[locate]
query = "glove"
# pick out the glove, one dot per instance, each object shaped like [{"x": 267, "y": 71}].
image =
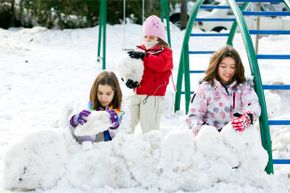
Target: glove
[
  {"x": 114, "y": 118},
  {"x": 80, "y": 118},
  {"x": 136, "y": 55},
  {"x": 241, "y": 122},
  {"x": 132, "y": 84}
]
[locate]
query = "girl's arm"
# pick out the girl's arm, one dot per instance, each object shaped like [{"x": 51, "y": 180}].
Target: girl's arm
[
  {"x": 198, "y": 109},
  {"x": 250, "y": 101},
  {"x": 161, "y": 62}
]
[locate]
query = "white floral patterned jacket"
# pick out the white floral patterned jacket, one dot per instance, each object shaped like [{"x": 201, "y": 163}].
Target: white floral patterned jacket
[{"x": 215, "y": 105}]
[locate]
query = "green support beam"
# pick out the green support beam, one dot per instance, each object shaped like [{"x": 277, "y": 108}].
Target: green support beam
[{"x": 183, "y": 71}]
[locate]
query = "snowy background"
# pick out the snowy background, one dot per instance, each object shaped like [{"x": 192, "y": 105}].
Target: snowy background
[{"x": 44, "y": 72}]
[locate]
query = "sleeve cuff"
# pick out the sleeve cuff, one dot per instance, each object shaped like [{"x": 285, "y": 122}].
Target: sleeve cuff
[
  {"x": 73, "y": 121},
  {"x": 107, "y": 136}
]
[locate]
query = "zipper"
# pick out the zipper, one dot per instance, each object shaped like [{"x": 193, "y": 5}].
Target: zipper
[{"x": 234, "y": 101}]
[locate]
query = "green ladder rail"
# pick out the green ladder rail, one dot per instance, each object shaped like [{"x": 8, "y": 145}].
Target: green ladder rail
[
  {"x": 239, "y": 21},
  {"x": 273, "y": 56},
  {"x": 103, "y": 22}
]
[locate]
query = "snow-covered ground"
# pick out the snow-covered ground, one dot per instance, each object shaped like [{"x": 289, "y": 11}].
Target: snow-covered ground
[{"x": 42, "y": 72}]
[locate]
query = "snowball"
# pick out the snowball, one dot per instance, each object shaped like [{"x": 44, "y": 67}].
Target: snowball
[
  {"x": 97, "y": 121},
  {"x": 130, "y": 68}
]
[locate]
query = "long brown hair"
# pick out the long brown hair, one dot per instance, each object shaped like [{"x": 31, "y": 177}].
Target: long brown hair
[
  {"x": 162, "y": 43},
  {"x": 215, "y": 60},
  {"x": 106, "y": 78}
]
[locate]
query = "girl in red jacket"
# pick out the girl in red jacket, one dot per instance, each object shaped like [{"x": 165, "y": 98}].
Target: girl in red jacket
[{"x": 147, "y": 103}]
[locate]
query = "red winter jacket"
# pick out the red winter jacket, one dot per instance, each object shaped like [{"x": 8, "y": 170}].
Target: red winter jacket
[{"x": 158, "y": 66}]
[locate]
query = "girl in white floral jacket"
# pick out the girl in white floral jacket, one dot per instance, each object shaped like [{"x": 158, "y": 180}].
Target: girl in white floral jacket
[{"x": 224, "y": 95}]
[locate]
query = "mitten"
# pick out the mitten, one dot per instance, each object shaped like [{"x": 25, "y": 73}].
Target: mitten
[
  {"x": 136, "y": 55},
  {"x": 241, "y": 122},
  {"x": 114, "y": 118},
  {"x": 132, "y": 84},
  {"x": 80, "y": 118}
]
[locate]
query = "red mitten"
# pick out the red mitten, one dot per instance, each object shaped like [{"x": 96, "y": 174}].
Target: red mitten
[{"x": 242, "y": 122}]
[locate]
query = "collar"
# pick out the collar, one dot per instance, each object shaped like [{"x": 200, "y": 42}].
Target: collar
[
  {"x": 155, "y": 48},
  {"x": 90, "y": 107},
  {"x": 219, "y": 84}
]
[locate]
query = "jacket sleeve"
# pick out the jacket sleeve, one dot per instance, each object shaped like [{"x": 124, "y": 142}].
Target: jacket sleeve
[
  {"x": 250, "y": 100},
  {"x": 198, "y": 108},
  {"x": 160, "y": 62}
]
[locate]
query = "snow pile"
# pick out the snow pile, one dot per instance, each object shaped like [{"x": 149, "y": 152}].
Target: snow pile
[
  {"x": 30, "y": 62},
  {"x": 169, "y": 162},
  {"x": 273, "y": 102},
  {"x": 37, "y": 161}
]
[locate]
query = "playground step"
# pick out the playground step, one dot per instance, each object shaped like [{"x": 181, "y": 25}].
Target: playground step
[
  {"x": 279, "y": 122},
  {"x": 215, "y": 19},
  {"x": 266, "y": 13},
  {"x": 274, "y": 57},
  {"x": 276, "y": 87},
  {"x": 196, "y": 71},
  {"x": 281, "y": 161},
  {"x": 270, "y": 32},
  {"x": 214, "y": 7},
  {"x": 260, "y": 1},
  {"x": 209, "y": 34},
  {"x": 200, "y": 52}
]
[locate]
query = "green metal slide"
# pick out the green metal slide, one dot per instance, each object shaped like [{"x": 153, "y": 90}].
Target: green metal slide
[{"x": 238, "y": 8}]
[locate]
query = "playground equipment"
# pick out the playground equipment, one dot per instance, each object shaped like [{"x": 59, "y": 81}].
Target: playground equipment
[
  {"x": 238, "y": 8},
  {"x": 102, "y": 33}
]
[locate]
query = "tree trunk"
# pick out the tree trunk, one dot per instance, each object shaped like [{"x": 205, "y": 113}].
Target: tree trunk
[{"x": 183, "y": 14}]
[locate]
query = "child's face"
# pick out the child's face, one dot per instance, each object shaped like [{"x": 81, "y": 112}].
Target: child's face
[
  {"x": 227, "y": 69},
  {"x": 150, "y": 38},
  {"x": 105, "y": 95}
]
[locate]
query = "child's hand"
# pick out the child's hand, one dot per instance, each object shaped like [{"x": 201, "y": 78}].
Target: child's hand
[
  {"x": 114, "y": 118},
  {"x": 132, "y": 84},
  {"x": 136, "y": 55},
  {"x": 242, "y": 122},
  {"x": 80, "y": 118},
  {"x": 113, "y": 115}
]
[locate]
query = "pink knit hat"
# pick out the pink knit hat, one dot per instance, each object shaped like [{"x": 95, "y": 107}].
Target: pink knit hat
[{"x": 153, "y": 26}]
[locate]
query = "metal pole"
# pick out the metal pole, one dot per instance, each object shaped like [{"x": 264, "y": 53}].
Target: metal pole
[
  {"x": 124, "y": 23},
  {"x": 104, "y": 32},
  {"x": 143, "y": 12},
  {"x": 100, "y": 33},
  {"x": 258, "y": 7}
]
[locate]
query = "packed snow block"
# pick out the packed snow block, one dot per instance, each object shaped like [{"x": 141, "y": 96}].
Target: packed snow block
[
  {"x": 140, "y": 158},
  {"x": 36, "y": 161},
  {"x": 130, "y": 68},
  {"x": 240, "y": 140},
  {"x": 102, "y": 165},
  {"x": 97, "y": 121},
  {"x": 215, "y": 156},
  {"x": 247, "y": 147},
  {"x": 177, "y": 157}
]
